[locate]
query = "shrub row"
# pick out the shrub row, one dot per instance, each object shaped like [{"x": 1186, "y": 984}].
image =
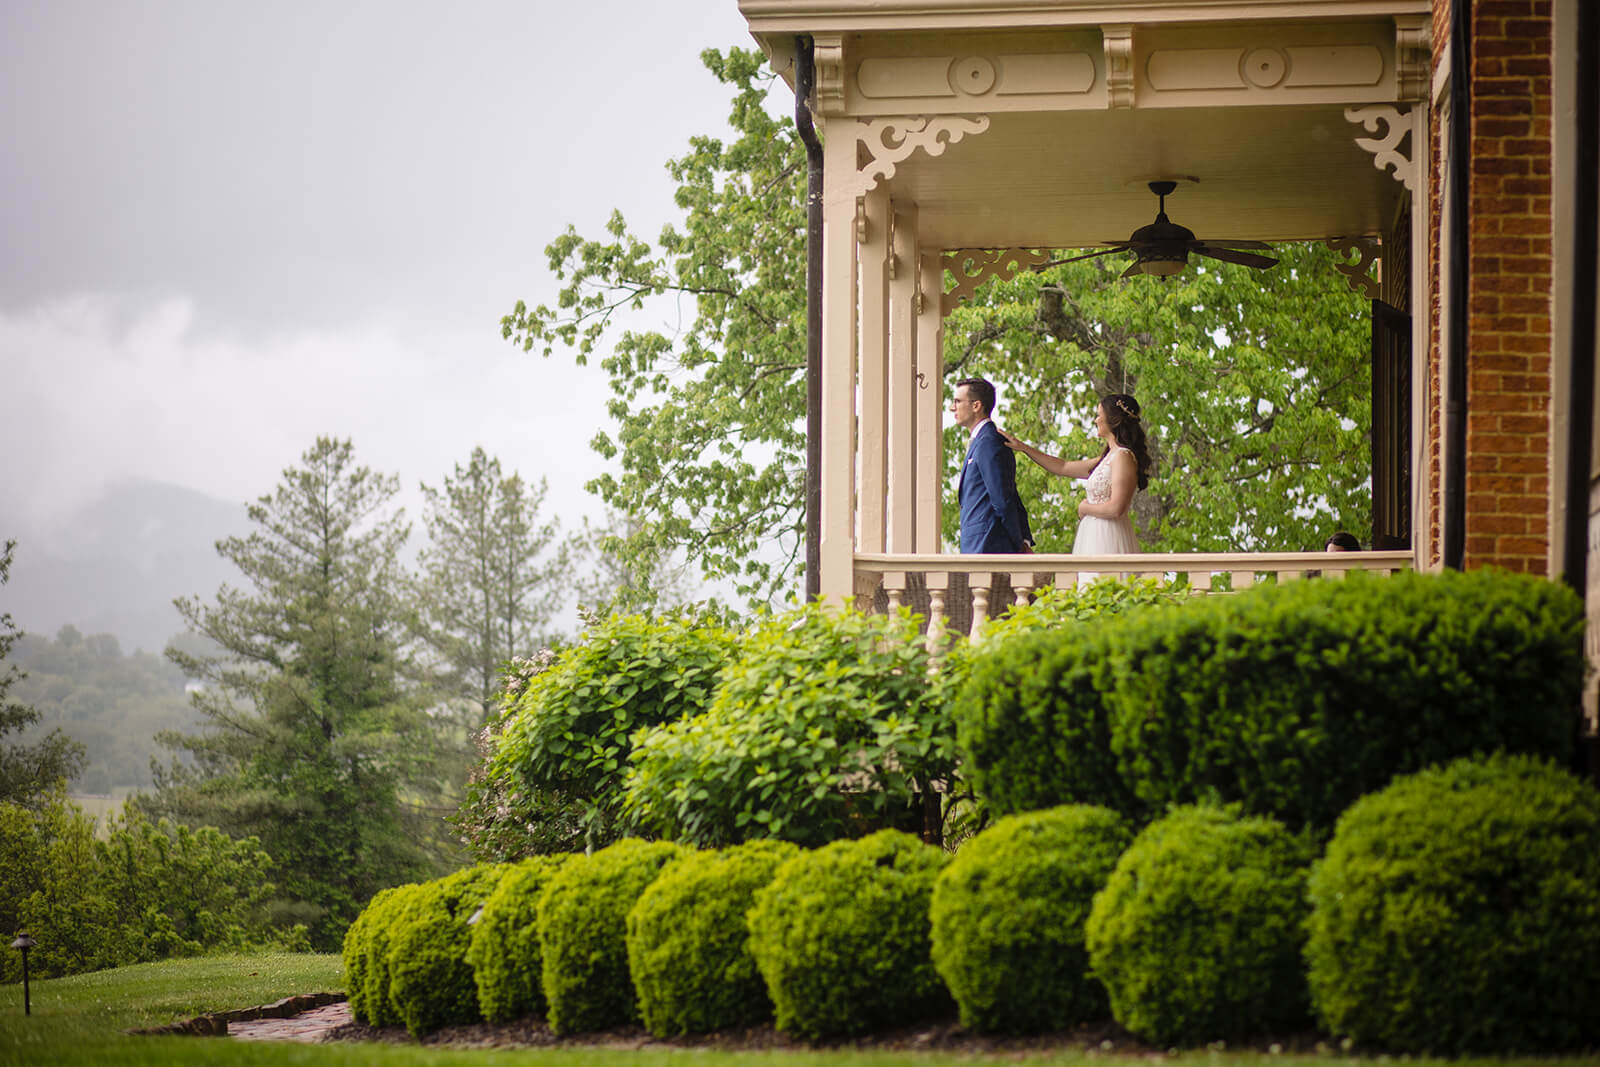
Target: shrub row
[
  {"x": 1452, "y": 912},
  {"x": 1292, "y": 700}
]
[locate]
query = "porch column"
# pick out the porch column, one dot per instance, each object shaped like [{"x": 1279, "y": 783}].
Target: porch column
[
  {"x": 835, "y": 583},
  {"x": 873, "y": 237},
  {"x": 903, "y": 391},
  {"x": 930, "y": 397}
]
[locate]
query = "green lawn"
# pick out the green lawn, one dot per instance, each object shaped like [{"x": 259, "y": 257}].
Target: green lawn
[{"x": 83, "y": 1022}]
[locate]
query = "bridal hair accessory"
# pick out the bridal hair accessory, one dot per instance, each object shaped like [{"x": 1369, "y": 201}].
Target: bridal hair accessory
[{"x": 1123, "y": 407}]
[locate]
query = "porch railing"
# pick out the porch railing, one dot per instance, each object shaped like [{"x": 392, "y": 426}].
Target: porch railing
[{"x": 959, "y": 593}]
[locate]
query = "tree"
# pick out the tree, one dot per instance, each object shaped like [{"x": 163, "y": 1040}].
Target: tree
[
  {"x": 28, "y": 772},
  {"x": 492, "y": 577},
  {"x": 620, "y": 574},
  {"x": 1233, "y": 365},
  {"x": 315, "y": 733},
  {"x": 710, "y": 420},
  {"x": 1255, "y": 388}
]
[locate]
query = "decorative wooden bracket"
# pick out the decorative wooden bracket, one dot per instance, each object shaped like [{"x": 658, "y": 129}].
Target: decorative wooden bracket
[
  {"x": 886, "y": 143},
  {"x": 1386, "y": 149},
  {"x": 1358, "y": 274},
  {"x": 974, "y": 267}
]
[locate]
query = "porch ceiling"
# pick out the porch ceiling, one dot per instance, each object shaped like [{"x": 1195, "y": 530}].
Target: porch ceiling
[{"x": 1074, "y": 179}]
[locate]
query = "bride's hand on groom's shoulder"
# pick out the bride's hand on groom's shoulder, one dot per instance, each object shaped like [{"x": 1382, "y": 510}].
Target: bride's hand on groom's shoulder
[{"x": 1010, "y": 440}]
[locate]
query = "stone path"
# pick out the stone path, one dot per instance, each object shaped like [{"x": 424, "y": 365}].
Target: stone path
[{"x": 309, "y": 1026}]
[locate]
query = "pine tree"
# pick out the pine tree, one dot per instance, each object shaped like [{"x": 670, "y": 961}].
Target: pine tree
[{"x": 317, "y": 735}]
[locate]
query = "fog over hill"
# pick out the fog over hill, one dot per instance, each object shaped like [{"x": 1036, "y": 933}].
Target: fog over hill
[{"x": 115, "y": 564}]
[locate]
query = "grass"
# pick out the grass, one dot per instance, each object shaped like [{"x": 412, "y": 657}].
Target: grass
[{"x": 83, "y": 1021}]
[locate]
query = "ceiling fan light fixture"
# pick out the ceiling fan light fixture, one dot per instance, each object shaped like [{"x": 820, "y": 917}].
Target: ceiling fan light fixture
[{"x": 1163, "y": 266}]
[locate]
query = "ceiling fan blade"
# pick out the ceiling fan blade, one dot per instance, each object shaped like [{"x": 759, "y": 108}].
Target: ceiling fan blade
[
  {"x": 1086, "y": 255},
  {"x": 1234, "y": 244},
  {"x": 1228, "y": 255},
  {"x": 1131, "y": 271}
]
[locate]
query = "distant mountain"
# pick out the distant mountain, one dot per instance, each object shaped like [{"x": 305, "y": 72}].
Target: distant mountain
[{"x": 115, "y": 565}]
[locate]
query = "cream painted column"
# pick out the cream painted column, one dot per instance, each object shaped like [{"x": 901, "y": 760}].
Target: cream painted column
[
  {"x": 872, "y": 236},
  {"x": 903, "y": 379},
  {"x": 930, "y": 398},
  {"x": 837, "y": 536}
]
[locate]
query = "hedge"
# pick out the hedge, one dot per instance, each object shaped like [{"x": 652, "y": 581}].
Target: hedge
[
  {"x": 841, "y": 936},
  {"x": 1198, "y": 932},
  {"x": 504, "y": 951},
  {"x": 688, "y": 943},
  {"x": 1293, "y": 699},
  {"x": 582, "y": 919},
  {"x": 1458, "y": 911},
  {"x": 1008, "y": 916},
  {"x": 430, "y": 981}
]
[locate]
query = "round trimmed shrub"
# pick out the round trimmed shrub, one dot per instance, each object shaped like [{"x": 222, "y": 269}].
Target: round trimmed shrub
[
  {"x": 1008, "y": 915},
  {"x": 688, "y": 946},
  {"x": 583, "y": 932},
  {"x": 366, "y": 958},
  {"x": 430, "y": 981},
  {"x": 504, "y": 952},
  {"x": 1458, "y": 911},
  {"x": 360, "y": 955},
  {"x": 841, "y": 936},
  {"x": 1198, "y": 932}
]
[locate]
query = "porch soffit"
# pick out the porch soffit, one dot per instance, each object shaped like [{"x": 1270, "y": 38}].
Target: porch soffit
[{"x": 1066, "y": 167}]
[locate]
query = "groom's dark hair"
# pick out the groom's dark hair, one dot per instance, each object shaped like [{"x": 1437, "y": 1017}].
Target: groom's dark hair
[{"x": 982, "y": 392}]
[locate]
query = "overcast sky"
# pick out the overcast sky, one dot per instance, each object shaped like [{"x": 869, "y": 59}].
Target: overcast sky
[{"x": 228, "y": 227}]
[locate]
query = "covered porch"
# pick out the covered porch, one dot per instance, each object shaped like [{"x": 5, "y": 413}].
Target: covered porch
[{"x": 966, "y": 140}]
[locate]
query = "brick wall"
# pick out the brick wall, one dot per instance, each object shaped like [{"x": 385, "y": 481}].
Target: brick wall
[{"x": 1510, "y": 335}]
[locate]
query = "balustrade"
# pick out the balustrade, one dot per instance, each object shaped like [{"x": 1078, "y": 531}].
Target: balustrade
[{"x": 959, "y": 593}]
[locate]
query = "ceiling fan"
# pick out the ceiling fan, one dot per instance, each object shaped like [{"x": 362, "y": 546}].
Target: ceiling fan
[{"x": 1162, "y": 248}]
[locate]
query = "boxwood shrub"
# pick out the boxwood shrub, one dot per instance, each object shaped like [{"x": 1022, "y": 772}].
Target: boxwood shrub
[
  {"x": 1458, "y": 911},
  {"x": 582, "y": 921},
  {"x": 366, "y": 954},
  {"x": 1293, "y": 699},
  {"x": 1198, "y": 932},
  {"x": 430, "y": 981},
  {"x": 366, "y": 947},
  {"x": 688, "y": 946},
  {"x": 841, "y": 936},
  {"x": 1008, "y": 916},
  {"x": 504, "y": 951}
]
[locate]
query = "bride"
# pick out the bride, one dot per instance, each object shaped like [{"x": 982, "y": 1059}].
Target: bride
[{"x": 1112, "y": 477}]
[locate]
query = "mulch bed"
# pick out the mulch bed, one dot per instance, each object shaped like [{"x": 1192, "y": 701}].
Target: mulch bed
[{"x": 943, "y": 1036}]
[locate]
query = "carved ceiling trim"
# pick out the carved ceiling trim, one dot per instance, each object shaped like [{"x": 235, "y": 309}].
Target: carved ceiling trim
[
  {"x": 973, "y": 267},
  {"x": 1386, "y": 149}
]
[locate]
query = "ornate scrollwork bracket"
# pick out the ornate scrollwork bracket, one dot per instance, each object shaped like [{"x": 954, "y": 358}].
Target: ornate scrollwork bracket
[
  {"x": 974, "y": 267},
  {"x": 1358, "y": 274},
  {"x": 889, "y": 142},
  {"x": 1386, "y": 149}
]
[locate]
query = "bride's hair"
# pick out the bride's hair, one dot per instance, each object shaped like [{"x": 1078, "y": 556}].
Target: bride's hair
[{"x": 1122, "y": 416}]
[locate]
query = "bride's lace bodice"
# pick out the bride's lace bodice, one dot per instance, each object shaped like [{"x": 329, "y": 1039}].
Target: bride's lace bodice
[{"x": 1098, "y": 484}]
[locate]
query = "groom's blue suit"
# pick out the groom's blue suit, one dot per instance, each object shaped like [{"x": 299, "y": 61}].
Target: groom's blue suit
[{"x": 992, "y": 516}]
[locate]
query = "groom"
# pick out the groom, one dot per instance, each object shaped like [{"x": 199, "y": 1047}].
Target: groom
[{"x": 992, "y": 516}]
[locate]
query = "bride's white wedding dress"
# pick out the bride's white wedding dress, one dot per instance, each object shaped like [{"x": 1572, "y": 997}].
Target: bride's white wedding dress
[{"x": 1097, "y": 536}]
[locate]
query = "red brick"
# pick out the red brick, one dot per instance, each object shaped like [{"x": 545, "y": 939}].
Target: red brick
[
  {"x": 1496, "y": 164},
  {"x": 1503, "y": 105},
  {"x": 1522, "y": 464},
  {"x": 1499, "y": 524},
  {"x": 1533, "y": 186},
  {"x": 1527, "y": 66},
  {"x": 1521, "y": 546}
]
